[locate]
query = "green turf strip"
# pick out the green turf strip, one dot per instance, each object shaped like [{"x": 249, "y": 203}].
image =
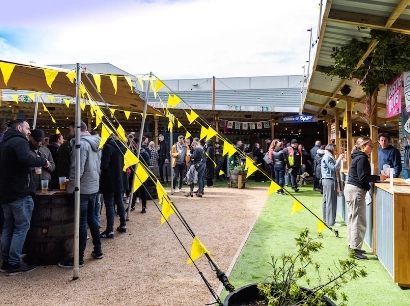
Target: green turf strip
[{"x": 274, "y": 234}]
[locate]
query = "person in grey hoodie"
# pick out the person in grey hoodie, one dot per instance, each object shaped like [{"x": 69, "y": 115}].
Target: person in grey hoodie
[{"x": 90, "y": 160}]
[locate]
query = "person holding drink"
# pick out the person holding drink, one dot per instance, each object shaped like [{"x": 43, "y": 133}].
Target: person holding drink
[{"x": 17, "y": 190}]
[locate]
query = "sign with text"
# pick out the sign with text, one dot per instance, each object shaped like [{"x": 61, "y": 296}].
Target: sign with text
[
  {"x": 393, "y": 99},
  {"x": 298, "y": 119},
  {"x": 406, "y": 81}
]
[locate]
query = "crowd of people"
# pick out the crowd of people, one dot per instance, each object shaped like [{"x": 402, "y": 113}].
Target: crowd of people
[{"x": 104, "y": 181}]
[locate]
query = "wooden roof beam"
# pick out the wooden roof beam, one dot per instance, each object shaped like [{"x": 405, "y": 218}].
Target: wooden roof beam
[{"x": 333, "y": 95}]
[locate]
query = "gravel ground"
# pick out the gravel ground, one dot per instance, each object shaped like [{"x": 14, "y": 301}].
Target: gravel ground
[{"x": 147, "y": 265}]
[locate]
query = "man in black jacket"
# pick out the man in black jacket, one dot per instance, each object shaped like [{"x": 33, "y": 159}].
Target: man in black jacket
[
  {"x": 16, "y": 194},
  {"x": 163, "y": 157},
  {"x": 111, "y": 184}
]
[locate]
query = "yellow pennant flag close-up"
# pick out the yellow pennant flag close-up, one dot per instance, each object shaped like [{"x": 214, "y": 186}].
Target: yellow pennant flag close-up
[
  {"x": 71, "y": 76},
  {"x": 121, "y": 133},
  {"x": 187, "y": 134},
  {"x": 141, "y": 82},
  {"x": 296, "y": 207},
  {"x": 112, "y": 111},
  {"x": 211, "y": 133},
  {"x": 321, "y": 226},
  {"x": 105, "y": 133},
  {"x": 127, "y": 114},
  {"x": 192, "y": 116},
  {"x": 51, "y": 98},
  {"x": 141, "y": 176},
  {"x": 129, "y": 159},
  {"x": 179, "y": 123},
  {"x": 250, "y": 166},
  {"x": 167, "y": 210},
  {"x": 82, "y": 90},
  {"x": 273, "y": 187},
  {"x": 160, "y": 191},
  {"x": 173, "y": 100},
  {"x": 204, "y": 132},
  {"x": 15, "y": 98},
  {"x": 197, "y": 250},
  {"x": 50, "y": 76},
  {"x": 344, "y": 125},
  {"x": 82, "y": 105},
  {"x": 114, "y": 82},
  {"x": 31, "y": 96},
  {"x": 221, "y": 172},
  {"x": 97, "y": 80},
  {"x": 128, "y": 79},
  {"x": 45, "y": 108},
  {"x": 58, "y": 131},
  {"x": 158, "y": 86},
  {"x": 67, "y": 102},
  {"x": 6, "y": 70},
  {"x": 228, "y": 149}
]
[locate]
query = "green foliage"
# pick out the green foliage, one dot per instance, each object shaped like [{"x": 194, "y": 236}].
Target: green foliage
[
  {"x": 391, "y": 56},
  {"x": 290, "y": 270}
]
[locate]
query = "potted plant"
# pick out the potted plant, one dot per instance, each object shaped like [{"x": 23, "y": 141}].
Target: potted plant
[{"x": 284, "y": 285}]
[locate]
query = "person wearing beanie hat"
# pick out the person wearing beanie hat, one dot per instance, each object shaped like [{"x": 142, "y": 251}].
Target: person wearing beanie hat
[{"x": 294, "y": 161}]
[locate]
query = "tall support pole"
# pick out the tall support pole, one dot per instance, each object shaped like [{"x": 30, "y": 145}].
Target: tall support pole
[
  {"x": 35, "y": 112},
  {"x": 349, "y": 132},
  {"x": 302, "y": 86},
  {"x": 77, "y": 190},
  {"x": 374, "y": 131},
  {"x": 272, "y": 131},
  {"x": 329, "y": 131},
  {"x": 310, "y": 51}
]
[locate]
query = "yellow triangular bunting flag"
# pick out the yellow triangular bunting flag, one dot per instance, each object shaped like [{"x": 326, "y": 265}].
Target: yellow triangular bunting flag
[
  {"x": 141, "y": 82},
  {"x": 187, "y": 134},
  {"x": 197, "y": 250},
  {"x": 51, "y": 98},
  {"x": 82, "y": 90},
  {"x": 160, "y": 191},
  {"x": 112, "y": 111},
  {"x": 52, "y": 119},
  {"x": 58, "y": 131},
  {"x": 121, "y": 133},
  {"x": 97, "y": 80},
  {"x": 170, "y": 125},
  {"x": 15, "y": 98},
  {"x": 127, "y": 114},
  {"x": 273, "y": 187},
  {"x": 129, "y": 159},
  {"x": 67, "y": 102},
  {"x": 211, "y": 133},
  {"x": 105, "y": 133},
  {"x": 167, "y": 210},
  {"x": 250, "y": 166},
  {"x": 45, "y": 108},
  {"x": 320, "y": 226},
  {"x": 31, "y": 96},
  {"x": 114, "y": 82},
  {"x": 228, "y": 149},
  {"x": 6, "y": 70},
  {"x": 141, "y": 177},
  {"x": 50, "y": 76},
  {"x": 296, "y": 207},
  {"x": 82, "y": 105},
  {"x": 192, "y": 116},
  {"x": 158, "y": 86},
  {"x": 151, "y": 83},
  {"x": 179, "y": 123},
  {"x": 71, "y": 76},
  {"x": 204, "y": 132},
  {"x": 128, "y": 79},
  {"x": 344, "y": 125}
]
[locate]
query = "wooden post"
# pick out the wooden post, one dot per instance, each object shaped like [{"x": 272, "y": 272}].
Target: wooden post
[
  {"x": 156, "y": 131},
  {"x": 329, "y": 131},
  {"x": 239, "y": 181},
  {"x": 349, "y": 132},
  {"x": 374, "y": 131},
  {"x": 337, "y": 127},
  {"x": 272, "y": 131}
]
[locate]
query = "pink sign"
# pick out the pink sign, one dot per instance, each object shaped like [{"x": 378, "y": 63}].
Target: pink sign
[{"x": 393, "y": 99}]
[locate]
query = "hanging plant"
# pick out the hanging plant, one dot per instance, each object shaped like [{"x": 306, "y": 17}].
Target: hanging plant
[{"x": 391, "y": 56}]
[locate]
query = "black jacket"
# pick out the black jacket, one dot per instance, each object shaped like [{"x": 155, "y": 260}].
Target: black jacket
[
  {"x": 297, "y": 157},
  {"x": 279, "y": 157},
  {"x": 163, "y": 152},
  {"x": 16, "y": 159},
  {"x": 112, "y": 164},
  {"x": 360, "y": 172},
  {"x": 317, "y": 165}
]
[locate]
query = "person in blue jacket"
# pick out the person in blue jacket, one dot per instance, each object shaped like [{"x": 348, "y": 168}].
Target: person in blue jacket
[{"x": 389, "y": 155}]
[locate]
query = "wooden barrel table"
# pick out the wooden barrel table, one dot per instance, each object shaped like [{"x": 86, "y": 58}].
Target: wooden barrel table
[{"x": 51, "y": 235}]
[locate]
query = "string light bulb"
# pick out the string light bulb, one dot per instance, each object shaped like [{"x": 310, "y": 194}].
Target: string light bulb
[{"x": 385, "y": 123}]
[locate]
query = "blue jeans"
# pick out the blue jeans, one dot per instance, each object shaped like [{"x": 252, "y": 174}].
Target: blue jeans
[
  {"x": 98, "y": 208},
  {"x": 201, "y": 177},
  {"x": 87, "y": 216},
  {"x": 109, "y": 199},
  {"x": 17, "y": 216},
  {"x": 279, "y": 177}
]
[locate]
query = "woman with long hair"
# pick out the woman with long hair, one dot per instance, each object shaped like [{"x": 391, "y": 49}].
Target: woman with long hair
[
  {"x": 329, "y": 166},
  {"x": 355, "y": 194}
]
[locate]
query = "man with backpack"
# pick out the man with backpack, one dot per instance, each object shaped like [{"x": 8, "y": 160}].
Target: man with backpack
[{"x": 294, "y": 157}]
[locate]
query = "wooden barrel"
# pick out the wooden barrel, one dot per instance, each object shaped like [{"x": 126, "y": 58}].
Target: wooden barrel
[
  {"x": 51, "y": 235},
  {"x": 152, "y": 189},
  {"x": 233, "y": 177}
]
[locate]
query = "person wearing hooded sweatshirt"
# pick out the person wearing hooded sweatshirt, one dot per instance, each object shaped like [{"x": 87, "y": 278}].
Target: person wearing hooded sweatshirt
[
  {"x": 210, "y": 163},
  {"x": 16, "y": 194},
  {"x": 90, "y": 161},
  {"x": 329, "y": 181},
  {"x": 355, "y": 190},
  {"x": 111, "y": 184},
  {"x": 279, "y": 166},
  {"x": 389, "y": 155},
  {"x": 317, "y": 169}
]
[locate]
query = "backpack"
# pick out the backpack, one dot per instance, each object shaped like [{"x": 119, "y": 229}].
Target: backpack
[{"x": 291, "y": 157}]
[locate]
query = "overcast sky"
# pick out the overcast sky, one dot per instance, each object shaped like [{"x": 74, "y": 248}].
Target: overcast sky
[{"x": 173, "y": 39}]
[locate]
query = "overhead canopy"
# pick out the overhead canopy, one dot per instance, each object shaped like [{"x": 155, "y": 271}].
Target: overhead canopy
[{"x": 26, "y": 77}]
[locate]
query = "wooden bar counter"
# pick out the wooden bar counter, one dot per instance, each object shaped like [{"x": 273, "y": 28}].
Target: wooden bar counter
[{"x": 391, "y": 229}]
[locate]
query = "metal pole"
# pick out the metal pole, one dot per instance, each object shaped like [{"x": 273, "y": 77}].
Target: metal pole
[
  {"x": 35, "y": 111},
  {"x": 301, "y": 91},
  {"x": 310, "y": 49},
  {"x": 76, "y": 267},
  {"x": 139, "y": 142},
  {"x": 171, "y": 162}
]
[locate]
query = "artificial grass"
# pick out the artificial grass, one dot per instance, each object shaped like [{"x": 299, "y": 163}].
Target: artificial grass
[{"x": 274, "y": 233}]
